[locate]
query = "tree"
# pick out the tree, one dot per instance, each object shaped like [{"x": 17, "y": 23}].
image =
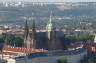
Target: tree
[
  {"x": 13, "y": 40},
  {"x": 62, "y": 61},
  {"x": 90, "y": 58},
  {"x": 80, "y": 37}
]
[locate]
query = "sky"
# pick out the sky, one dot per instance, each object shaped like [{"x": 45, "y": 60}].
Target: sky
[{"x": 52, "y": 0}]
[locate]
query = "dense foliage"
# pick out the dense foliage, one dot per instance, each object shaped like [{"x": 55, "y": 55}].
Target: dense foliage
[
  {"x": 62, "y": 61},
  {"x": 72, "y": 15},
  {"x": 90, "y": 58},
  {"x": 80, "y": 38},
  {"x": 12, "y": 40}
]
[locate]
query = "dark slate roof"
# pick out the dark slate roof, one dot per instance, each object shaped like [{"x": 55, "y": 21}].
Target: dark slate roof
[{"x": 52, "y": 53}]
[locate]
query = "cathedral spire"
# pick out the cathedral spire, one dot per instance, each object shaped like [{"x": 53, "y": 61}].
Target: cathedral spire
[
  {"x": 33, "y": 26},
  {"x": 33, "y": 42},
  {"x": 49, "y": 27},
  {"x": 51, "y": 19},
  {"x": 26, "y": 31},
  {"x": 49, "y": 24}
]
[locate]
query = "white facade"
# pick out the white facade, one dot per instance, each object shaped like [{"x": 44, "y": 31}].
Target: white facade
[
  {"x": 50, "y": 59},
  {"x": 95, "y": 38}
]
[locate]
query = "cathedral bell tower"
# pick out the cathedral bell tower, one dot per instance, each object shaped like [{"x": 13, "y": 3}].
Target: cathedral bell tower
[
  {"x": 53, "y": 42},
  {"x": 30, "y": 38},
  {"x": 26, "y": 33},
  {"x": 50, "y": 35},
  {"x": 33, "y": 36},
  {"x": 49, "y": 28}
]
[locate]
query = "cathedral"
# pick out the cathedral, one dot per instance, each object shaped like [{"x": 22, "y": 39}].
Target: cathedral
[
  {"x": 30, "y": 38},
  {"x": 46, "y": 40}
]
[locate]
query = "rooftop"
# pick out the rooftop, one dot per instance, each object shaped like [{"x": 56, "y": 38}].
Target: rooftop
[
  {"x": 22, "y": 50},
  {"x": 52, "y": 53}
]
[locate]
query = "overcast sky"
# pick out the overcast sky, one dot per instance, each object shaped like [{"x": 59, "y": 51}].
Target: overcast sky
[{"x": 53, "y": 0}]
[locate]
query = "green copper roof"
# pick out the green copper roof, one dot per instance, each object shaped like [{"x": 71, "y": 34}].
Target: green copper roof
[{"x": 49, "y": 25}]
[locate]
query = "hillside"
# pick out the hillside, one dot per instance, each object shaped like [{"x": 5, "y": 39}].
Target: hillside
[{"x": 67, "y": 16}]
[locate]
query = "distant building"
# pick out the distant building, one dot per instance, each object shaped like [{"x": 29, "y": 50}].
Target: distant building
[
  {"x": 50, "y": 57},
  {"x": 89, "y": 46},
  {"x": 2, "y": 31},
  {"x": 94, "y": 38},
  {"x": 75, "y": 46},
  {"x": 18, "y": 51}
]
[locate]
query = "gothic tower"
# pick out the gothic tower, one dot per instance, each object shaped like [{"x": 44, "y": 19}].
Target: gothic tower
[
  {"x": 28, "y": 41},
  {"x": 30, "y": 38},
  {"x": 49, "y": 28},
  {"x": 33, "y": 37},
  {"x": 53, "y": 42},
  {"x": 51, "y": 35},
  {"x": 26, "y": 32}
]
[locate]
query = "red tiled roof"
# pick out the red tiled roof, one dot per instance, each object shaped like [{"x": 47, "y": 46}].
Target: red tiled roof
[
  {"x": 75, "y": 45},
  {"x": 72, "y": 46},
  {"x": 2, "y": 31},
  {"x": 90, "y": 46},
  {"x": 23, "y": 50}
]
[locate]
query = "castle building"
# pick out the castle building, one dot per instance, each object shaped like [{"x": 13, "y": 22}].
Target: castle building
[{"x": 38, "y": 40}]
